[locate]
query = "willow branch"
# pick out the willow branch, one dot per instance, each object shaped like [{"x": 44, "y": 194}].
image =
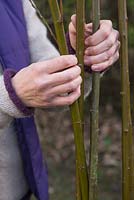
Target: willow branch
[
  {"x": 44, "y": 21},
  {"x": 127, "y": 151},
  {"x": 80, "y": 13},
  {"x": 76, "y": 119},
  {"x": 94, "y": 117}
]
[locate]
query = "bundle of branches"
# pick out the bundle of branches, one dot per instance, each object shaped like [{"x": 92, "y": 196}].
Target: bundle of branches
[
  {"x": 81, "y": 167},
  {"x": 77, "y": 109}
]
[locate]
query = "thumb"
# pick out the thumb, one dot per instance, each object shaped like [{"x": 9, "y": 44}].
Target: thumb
[{"x": 73, "y": 20}]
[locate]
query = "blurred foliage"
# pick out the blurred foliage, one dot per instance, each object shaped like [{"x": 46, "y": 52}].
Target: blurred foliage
[{"x": 108, "y": 11}]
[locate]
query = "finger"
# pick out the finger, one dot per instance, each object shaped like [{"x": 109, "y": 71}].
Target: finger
[
  {"x": 106, "y": 64},
  {"x": 91, "y": 60},
  {"x": 105, "y": 45},
  {"x": 103, "y": 32},
  {"x": 73, "y": 20},
  {"x": 65, "y": 76},
  {"x": 87, "y": 27},
  {"x": 57, "y": 64},
  {"x": 65, "y": 100},
  {"x": 72, "y": 29},
  {"x": 66, "y": 88}
]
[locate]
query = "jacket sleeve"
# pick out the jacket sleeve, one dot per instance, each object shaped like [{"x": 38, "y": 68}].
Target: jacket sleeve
[{"x": 7, "y": 107}]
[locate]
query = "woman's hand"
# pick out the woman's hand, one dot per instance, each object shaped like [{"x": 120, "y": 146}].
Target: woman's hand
[
  {"x": 101, "y": 48},
  {"x": 47, "y": 84}
]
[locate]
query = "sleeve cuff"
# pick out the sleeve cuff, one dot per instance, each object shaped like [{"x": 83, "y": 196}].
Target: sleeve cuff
[
  {"x": 70, "y": 49},
  {"x": 8, "y": 74}
]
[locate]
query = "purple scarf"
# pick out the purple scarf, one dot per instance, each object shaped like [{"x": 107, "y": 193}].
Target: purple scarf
[{"x": 14, "y": 54}]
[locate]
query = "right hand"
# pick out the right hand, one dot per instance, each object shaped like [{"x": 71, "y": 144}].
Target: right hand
[{"x": 47, "y": 83}]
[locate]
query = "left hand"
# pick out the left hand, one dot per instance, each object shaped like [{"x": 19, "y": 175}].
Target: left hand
[{"x": 101, "y": 48}]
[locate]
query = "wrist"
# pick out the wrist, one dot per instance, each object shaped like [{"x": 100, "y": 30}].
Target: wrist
[{"x": 8, "y": 75}]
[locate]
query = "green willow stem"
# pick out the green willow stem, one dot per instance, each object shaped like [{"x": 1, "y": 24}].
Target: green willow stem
[
  {"x": 80, "y": 20},
  {"x": 78, "y": 187},
  {"x": 94, "y": 117},
  {"x": 76, "y": 119},
  {"x": 127, "y": 138},
  {"x": 80, "y": 13}
]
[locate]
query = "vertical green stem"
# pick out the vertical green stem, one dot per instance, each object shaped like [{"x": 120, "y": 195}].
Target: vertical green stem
[
  {"x": 78, "y": 187},
  {"x": 76, "y": 119},
  {"x": 127, "y": 153},
  {"x": 94, "y": 117},
  {"x": 80, "y": 13}
]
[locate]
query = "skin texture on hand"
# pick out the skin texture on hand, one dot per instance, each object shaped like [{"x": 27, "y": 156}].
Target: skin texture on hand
[
  {"x": 47, "y": 83},
  {"x": 101, "y": 48},
  {"x": 57, "y": 82}
]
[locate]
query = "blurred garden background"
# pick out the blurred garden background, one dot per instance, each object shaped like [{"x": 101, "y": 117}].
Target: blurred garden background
[{"x": 55, "y": 127}]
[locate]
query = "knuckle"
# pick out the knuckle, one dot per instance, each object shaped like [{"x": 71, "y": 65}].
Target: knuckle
[
  {"x": 93, "y": 51},
  {"x": 41, "y": 84},
  {"x": 70, "y": 76},
  {"x": 67, "y": 61},
  {"x": 72, "y": 86},
  {"x": 110, "y": 22},
  {"x": 106, "y": 56},
  {"x": 109, "y": 54},
  {"x": 46, "y": 98},
  {"x": 91, "y": 40},
  {"x": 109, "y": 42},
  {"x": 78, "y": 69},
  {"x": 106, "y": 33},
  {"x": 70, "y": 60},
  {"x": 117, "y": 34}
]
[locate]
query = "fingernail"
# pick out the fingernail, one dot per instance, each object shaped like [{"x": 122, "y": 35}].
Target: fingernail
[
  {"x": 74, "y": 56},
  {"x": 95, "y": 68}
]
